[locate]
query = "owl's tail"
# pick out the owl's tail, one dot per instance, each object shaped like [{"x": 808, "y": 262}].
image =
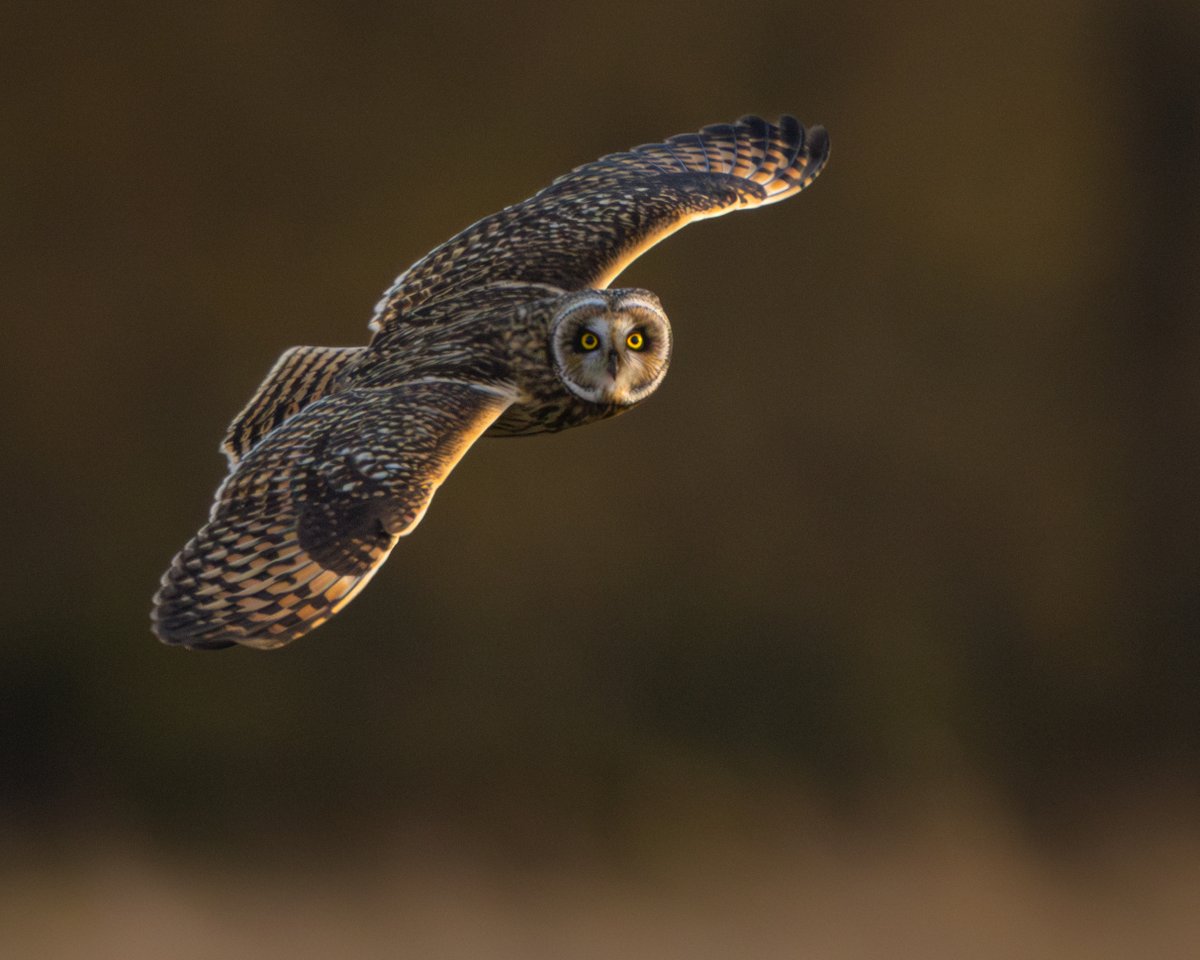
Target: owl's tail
[{"x": 300, "y": 377}]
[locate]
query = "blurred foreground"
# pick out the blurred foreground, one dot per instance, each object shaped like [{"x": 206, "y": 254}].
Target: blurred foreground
[{"x": 748, "y": 882}]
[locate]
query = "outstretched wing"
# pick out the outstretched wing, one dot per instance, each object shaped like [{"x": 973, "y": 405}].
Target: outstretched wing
[
  {"x": 310, "y": 513},
  {"x": 587, "y": 226}
]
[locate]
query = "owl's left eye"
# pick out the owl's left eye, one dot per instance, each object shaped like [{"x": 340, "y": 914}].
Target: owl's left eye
[
  {"x": 588, "y": 340},
  {"x": 635, "y": 341}
]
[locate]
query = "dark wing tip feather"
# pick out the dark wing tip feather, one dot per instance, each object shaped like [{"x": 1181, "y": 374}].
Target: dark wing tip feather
[
  {"x": 177, "y": 636},
  {"x": 781, "y": 158},
  {"x": 792, "y": 131},
  {"x": 817, "y": 143},
  {"x": 175, "y": 621}
]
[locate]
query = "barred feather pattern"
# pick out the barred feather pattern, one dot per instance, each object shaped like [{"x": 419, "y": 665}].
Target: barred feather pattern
[
  {"x": 311, "y": 512},
  {"x": 588, "y": 225},
  {"x": 300, "y": 376}
]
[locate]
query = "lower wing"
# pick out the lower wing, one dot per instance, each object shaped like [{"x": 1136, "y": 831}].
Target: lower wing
[{"x": 311, "y": 512}]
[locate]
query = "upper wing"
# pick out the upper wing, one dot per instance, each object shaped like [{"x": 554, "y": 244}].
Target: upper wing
[
  {"x": 587, "y": 226},
  {"x": 310, "y": 513}
]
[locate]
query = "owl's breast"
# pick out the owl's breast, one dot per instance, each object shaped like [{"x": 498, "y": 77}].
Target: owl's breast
[{"x": 548, "y": 411}]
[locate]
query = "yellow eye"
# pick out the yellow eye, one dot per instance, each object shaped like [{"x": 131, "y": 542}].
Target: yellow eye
[
  {"x": 588, "y": 340},
  {"x": 635, "y": 341}
]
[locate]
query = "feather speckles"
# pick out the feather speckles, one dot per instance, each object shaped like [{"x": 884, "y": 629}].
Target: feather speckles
[
  {"x": 587, "y": 225},
  {"x": 341, "y": 449}
]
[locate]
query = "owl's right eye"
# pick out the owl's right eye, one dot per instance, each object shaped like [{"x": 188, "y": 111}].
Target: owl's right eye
[{"x": 588, "y": 340}]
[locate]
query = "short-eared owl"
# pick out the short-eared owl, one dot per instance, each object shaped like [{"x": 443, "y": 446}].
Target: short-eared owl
[{"x": 506, "y": 329}]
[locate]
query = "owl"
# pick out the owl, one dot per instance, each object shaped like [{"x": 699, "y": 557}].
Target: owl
[{"x": 507, "y": 329}]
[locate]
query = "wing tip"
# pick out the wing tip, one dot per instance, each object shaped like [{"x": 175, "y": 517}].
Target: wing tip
[
  {"x": 808, "y": 152},
  {"x": 782, "y": 158},
  {"x": 173, "y": 637},
  {"x": 186, "y": 627},
  {"x": 172, "y": 625},
  {"x": 198, "y": 611},
  {"x": 816, "y": 143},
  {"x": 191, "y": 643}
]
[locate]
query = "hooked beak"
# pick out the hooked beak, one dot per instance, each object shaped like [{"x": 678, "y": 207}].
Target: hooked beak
[{"x": 611, "y": 366}]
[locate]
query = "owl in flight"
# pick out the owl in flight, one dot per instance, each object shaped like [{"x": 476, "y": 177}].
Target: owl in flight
[{"x": 507, "y": 329}]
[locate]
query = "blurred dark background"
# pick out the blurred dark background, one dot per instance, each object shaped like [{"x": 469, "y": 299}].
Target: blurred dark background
[{"x": 907, "y": 546}]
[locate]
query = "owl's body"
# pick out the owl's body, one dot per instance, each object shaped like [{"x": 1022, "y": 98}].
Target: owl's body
[
  {"x": 505, "y": 330},
  {"x": 498, "y": 336}
]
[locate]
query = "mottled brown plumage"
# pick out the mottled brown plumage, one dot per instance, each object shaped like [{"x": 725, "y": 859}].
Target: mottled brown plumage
[
  {"x": 505, "y": 329},
  {"x": 589, "y": 224}
]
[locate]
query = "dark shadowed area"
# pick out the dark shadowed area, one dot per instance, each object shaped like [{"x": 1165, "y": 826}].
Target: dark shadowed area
[{"x": 873, "y": 633}]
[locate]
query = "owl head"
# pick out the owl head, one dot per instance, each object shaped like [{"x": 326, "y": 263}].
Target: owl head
[{"x": 611, "y": 346}]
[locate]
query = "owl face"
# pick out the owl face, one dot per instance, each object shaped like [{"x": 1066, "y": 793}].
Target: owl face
[{"x": 611, "y": 346}]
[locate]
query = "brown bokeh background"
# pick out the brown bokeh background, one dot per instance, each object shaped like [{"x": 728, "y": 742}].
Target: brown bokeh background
[{"x": 873, "y": 634}]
